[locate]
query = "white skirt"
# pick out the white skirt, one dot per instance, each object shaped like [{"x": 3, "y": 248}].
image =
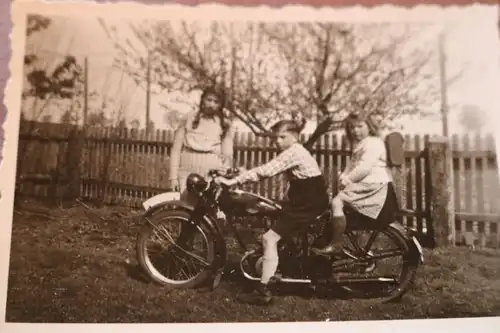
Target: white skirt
[{"x": 366, "y": 198}]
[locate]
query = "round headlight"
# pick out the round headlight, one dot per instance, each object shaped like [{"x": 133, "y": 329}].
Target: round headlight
[{"x": 195, "y": 183}]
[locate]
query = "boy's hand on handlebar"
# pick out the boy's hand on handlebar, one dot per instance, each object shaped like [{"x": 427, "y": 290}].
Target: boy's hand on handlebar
[{"x": 226, "y": 182}]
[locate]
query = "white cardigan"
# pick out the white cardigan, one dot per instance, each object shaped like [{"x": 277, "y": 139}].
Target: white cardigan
[{"x": 368, "y": 162}]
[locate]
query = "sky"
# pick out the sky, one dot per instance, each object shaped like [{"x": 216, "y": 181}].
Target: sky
[{"x": 471, "y": 45}]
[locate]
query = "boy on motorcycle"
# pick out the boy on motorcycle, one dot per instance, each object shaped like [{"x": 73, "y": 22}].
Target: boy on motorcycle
[{"x": 307, "y": 194}]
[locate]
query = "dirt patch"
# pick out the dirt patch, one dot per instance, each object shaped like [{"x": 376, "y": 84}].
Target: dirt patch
[{"x": 67, "y": 266}]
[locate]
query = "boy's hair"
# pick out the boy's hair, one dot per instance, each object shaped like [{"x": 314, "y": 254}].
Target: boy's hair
[
  {"x": 291, "y": 126},
  {"x": 355, "y": 117}
]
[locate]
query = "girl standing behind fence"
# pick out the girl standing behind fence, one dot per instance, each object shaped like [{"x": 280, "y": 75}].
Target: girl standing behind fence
[{"x": 203, "y": 141}]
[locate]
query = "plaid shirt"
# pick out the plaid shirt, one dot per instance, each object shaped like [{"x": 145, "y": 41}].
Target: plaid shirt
[{"x": 296, "y": 160}]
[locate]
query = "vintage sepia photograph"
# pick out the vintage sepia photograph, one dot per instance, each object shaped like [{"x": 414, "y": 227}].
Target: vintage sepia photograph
[{"x": 175, "y": 166}]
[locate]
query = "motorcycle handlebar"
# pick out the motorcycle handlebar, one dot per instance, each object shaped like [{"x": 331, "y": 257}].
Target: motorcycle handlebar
[
  {"x": 230, "y": 173},
  {"x": 214, "y": 173}
]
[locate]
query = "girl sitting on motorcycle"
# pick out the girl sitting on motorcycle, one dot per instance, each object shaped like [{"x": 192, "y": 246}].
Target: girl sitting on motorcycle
[
  {"x": 307, "y": 194},
  {"x": 364, "y": 182}
]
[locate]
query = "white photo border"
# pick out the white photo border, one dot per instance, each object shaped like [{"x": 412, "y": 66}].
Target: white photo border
[{"x": 22, "y": 8}]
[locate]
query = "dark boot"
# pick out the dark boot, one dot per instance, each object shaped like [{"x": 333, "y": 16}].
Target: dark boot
[
  {"x": 335, "y": 246},
  {"x": 260, "y": 295}
]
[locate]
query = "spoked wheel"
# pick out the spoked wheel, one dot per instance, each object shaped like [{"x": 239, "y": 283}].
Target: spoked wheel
[
  {"x": 173, "y": 251},
  {"x": 389, "y": 273}
]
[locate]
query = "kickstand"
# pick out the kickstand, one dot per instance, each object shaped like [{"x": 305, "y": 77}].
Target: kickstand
[
  {"x": 94, "y": 214},
  {"x": 90, "y": 210}
]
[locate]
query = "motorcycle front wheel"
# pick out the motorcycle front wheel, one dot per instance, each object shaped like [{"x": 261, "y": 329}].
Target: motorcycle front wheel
[{"x": 184, "y": 264}]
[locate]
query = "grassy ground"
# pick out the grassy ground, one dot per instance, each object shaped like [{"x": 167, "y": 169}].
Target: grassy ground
[{"x": 66, "y": 267}]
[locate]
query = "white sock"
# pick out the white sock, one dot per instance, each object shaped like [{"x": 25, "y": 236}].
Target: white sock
[
  {"x": 269, "y": 267},
  {"x": 270, "y": 259}
]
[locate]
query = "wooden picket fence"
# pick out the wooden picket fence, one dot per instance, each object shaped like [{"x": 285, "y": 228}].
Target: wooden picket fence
[{"x": 124, "y": 166}]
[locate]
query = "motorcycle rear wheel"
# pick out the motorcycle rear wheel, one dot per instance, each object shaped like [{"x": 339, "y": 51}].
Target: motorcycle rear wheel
[{"x": 408, "y": 272}]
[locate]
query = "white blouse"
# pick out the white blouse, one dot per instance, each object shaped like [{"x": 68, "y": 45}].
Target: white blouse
[
  {"x": 206, "y": 137},
  {"x": 368, "y": 162}
]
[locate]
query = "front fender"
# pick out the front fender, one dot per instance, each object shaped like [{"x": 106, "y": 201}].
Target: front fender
[
  {"x": 161, "y": 199},
  {"x": 168, "y": 205}
]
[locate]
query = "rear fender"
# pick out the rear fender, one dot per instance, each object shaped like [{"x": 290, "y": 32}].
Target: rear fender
[
  {"x": 219, "y": 241},
  {"x": 416, "y": 253},
  {"x": 401, "y": 229}
]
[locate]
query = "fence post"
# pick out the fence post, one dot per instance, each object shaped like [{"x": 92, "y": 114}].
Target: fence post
[
  {"x": 75, "y": 150},
  {"x": 439, "y": 188},
  {"x": 397, "y": 179}
]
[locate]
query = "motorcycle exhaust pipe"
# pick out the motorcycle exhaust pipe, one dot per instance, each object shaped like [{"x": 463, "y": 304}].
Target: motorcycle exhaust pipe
[
  {"x": 277, "y": 278},
  {"x": 333, "y": 280},
  {"x": 291, "y": 280},
  {"x": 364, "y": 280}
]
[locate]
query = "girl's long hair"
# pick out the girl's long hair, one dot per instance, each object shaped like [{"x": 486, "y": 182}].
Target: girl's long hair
[
  {"x": 222, "y": 118},
  {"x": 355, "y": 117}
]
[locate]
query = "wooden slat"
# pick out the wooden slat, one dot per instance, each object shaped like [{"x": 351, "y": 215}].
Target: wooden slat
[
  {"x": 481, "y": 153},
  {"x": 326, "y": 163},
  {"x": 468, "y": 176},
  {"x": 468, "y": 172},
  {"x": 409, "y": 167},
  {"x": 460, "y": 189},
  {"x": 411, "y": 213},
  {"x": 269, "y": 192},
  {"x": 418, "y": 182},
  {"x": 457, "y": 170},
  {"x": 478, "y": 165},
  {"x": 426, "y": 177},
  {"x": 336, "y": 167},
  {"x": 494, "y": 218}
]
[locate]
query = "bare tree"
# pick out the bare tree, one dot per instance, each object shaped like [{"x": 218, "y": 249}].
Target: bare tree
[
  {"x": 188, "y": 57},
  {"x": 62, "y": 83},
  {"x": 36, "y": 23},
  {"x": 270, "y": 71},
  {"x": 340, "y": 68}
]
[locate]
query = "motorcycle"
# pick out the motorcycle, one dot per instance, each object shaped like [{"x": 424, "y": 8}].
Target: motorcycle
[{"x": 219, "y": 208}]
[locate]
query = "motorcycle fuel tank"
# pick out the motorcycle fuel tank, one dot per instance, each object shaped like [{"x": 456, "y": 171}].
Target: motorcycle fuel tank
[{"x": 249, "y": 203}]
